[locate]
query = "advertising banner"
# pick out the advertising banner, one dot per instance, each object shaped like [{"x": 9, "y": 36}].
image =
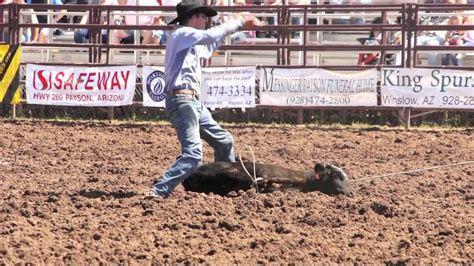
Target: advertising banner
[
  {"x": 80, "y": 86},
  {"x": 228, "y": 87},
  {"x": 427, "y": 88},
  {"x": 317, "y": 87},
  {"x": 153, "y": 85}
]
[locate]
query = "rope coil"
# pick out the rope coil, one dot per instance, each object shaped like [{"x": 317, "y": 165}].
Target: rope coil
[{"x": 254, "y": 177}]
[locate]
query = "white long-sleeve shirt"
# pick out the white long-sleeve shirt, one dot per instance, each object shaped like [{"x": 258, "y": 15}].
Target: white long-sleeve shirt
[{"x": 184, "y": 49}]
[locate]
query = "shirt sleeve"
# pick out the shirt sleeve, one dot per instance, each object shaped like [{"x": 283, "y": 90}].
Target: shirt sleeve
[
  {"x": 189, "y": 36},
  {"x": 205, "y": 51}
]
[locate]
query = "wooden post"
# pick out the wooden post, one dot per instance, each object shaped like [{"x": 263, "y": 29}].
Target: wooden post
[
  {"x": 407, "y": 118},
  {"x": 20, "y": 109},
  {"x": 41, "y": 111},
  {"x": 134, "y": 112},
  {"x": 110, "y": 113},
  {"x": 13, "y": 111},
  {"x": 300, "y": 116}
]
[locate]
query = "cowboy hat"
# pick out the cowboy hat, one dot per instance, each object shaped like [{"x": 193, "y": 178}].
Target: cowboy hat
[{"x": 187, "y": 8}]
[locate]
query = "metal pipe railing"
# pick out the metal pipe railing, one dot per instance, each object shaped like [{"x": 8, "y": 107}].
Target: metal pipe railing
[{"x": 101, "y": 17}]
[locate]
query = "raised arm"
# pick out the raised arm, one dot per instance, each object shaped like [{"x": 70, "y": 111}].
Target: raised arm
[{"x": 190, "y": 37}]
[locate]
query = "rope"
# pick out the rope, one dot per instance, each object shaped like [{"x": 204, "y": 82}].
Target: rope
[
  {"x": 413, "y": 171},
  {"x": 15, "y": 151},
  {"x": 254, "y": 177}
]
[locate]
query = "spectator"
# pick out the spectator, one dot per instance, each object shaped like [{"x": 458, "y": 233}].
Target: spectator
[
  {"x": 433, "y": 38},
  {"x": 127, "y": 36},
  {"x": 26, "y": 34},
  {"x": 160, "y": 36},
  {"x": 296, "y": 19},
  {"x": 346, "y": 19},
  {"x": 219, "y": 19},
  {"x": 270, "y": 20},
  {"x": 375, "y": 38},
  {"x": 43, "y": 33},
  {"x": 240, "y": 36},
  {"x": 173, "y": 3},
  {"x": 82, "y": 35},
  {"x": 453, "y": 37},
  {"x": 468, "y": 36}
]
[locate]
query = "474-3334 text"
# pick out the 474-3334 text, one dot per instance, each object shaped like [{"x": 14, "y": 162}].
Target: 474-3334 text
[{"x": 229, "y": 91}]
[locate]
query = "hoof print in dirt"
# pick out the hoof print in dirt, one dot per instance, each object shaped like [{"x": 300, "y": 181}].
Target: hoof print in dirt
[
  {"x": 383, "y": 210},
  {"x": 222, "y": 178}
]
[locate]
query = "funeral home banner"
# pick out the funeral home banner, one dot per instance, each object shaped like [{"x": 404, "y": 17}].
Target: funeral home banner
[{"x": 317, "y": 87}]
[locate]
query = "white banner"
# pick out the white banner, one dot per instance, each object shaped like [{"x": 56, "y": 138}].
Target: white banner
[
  {"x": 80, "y": 86},
  {"x": 427, "y": 88},
  {"x": 228, "y": 87},
  {"x": 153, "y": 85},
  {"x": 317, "y": 87}
]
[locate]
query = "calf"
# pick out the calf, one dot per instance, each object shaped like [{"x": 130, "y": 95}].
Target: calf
[{"x": 224, "y": 177}]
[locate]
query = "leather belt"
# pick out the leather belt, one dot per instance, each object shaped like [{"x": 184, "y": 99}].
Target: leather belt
[{"x": 183, "y": 91}]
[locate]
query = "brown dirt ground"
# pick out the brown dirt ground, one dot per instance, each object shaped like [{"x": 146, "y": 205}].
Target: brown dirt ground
[{"x": 68, "y": 195}]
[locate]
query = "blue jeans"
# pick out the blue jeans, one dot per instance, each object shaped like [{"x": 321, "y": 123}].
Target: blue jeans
[
  {"x": 447, "y": 58},
  {"x": 82, "y": 36},
  {"x": 162, "y": 35},
  {"x": 192, "y": 122}
]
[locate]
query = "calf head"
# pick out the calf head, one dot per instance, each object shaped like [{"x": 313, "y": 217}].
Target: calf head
[{"x": 330, "y": 179}]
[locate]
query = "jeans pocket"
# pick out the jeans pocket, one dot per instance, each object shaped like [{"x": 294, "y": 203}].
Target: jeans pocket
[{"x": 180, "y": 105}]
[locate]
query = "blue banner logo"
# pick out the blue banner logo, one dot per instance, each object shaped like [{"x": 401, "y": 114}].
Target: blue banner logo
[{"x": 155, "y": 86}]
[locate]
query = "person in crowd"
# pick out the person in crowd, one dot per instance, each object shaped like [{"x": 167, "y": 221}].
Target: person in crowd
[
  {"x": 268, "y": 20},
  {"x": 434, "y": 38},
  {"x": 221, "y": 18},
  {"x": 272, "y": 20},
  {"x": 190, "y": 42},
  {"x": 241, "y": 36},
  {"x": 375, "y": 38},
  {"x": 453, "y": 38},
  {"x": 347, "y": 19},
  {"x": 25, "y": 34},
  {"x": 40, "y": 35},
  {"x": 127, "y": 36},
  {"x": 468, "y": 36},
  {"x": 160, "y": 36},
  {"x": 82, "y": 35},
  {"x": 296, "y": 19}
]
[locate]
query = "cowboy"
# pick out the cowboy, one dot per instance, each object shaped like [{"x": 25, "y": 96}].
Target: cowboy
[{"x": 190, "y": 42}]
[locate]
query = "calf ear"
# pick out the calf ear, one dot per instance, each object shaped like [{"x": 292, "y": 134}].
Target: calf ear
[
  {"x": 319, "y": 167},
  {"x": 239, "y": 159}
]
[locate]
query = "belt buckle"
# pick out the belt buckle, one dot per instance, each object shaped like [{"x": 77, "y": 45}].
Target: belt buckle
[
  {"x": 184, "y": 92},
  {"x": 195, "y": 94},
  {"x": 192, "y": 92}
]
